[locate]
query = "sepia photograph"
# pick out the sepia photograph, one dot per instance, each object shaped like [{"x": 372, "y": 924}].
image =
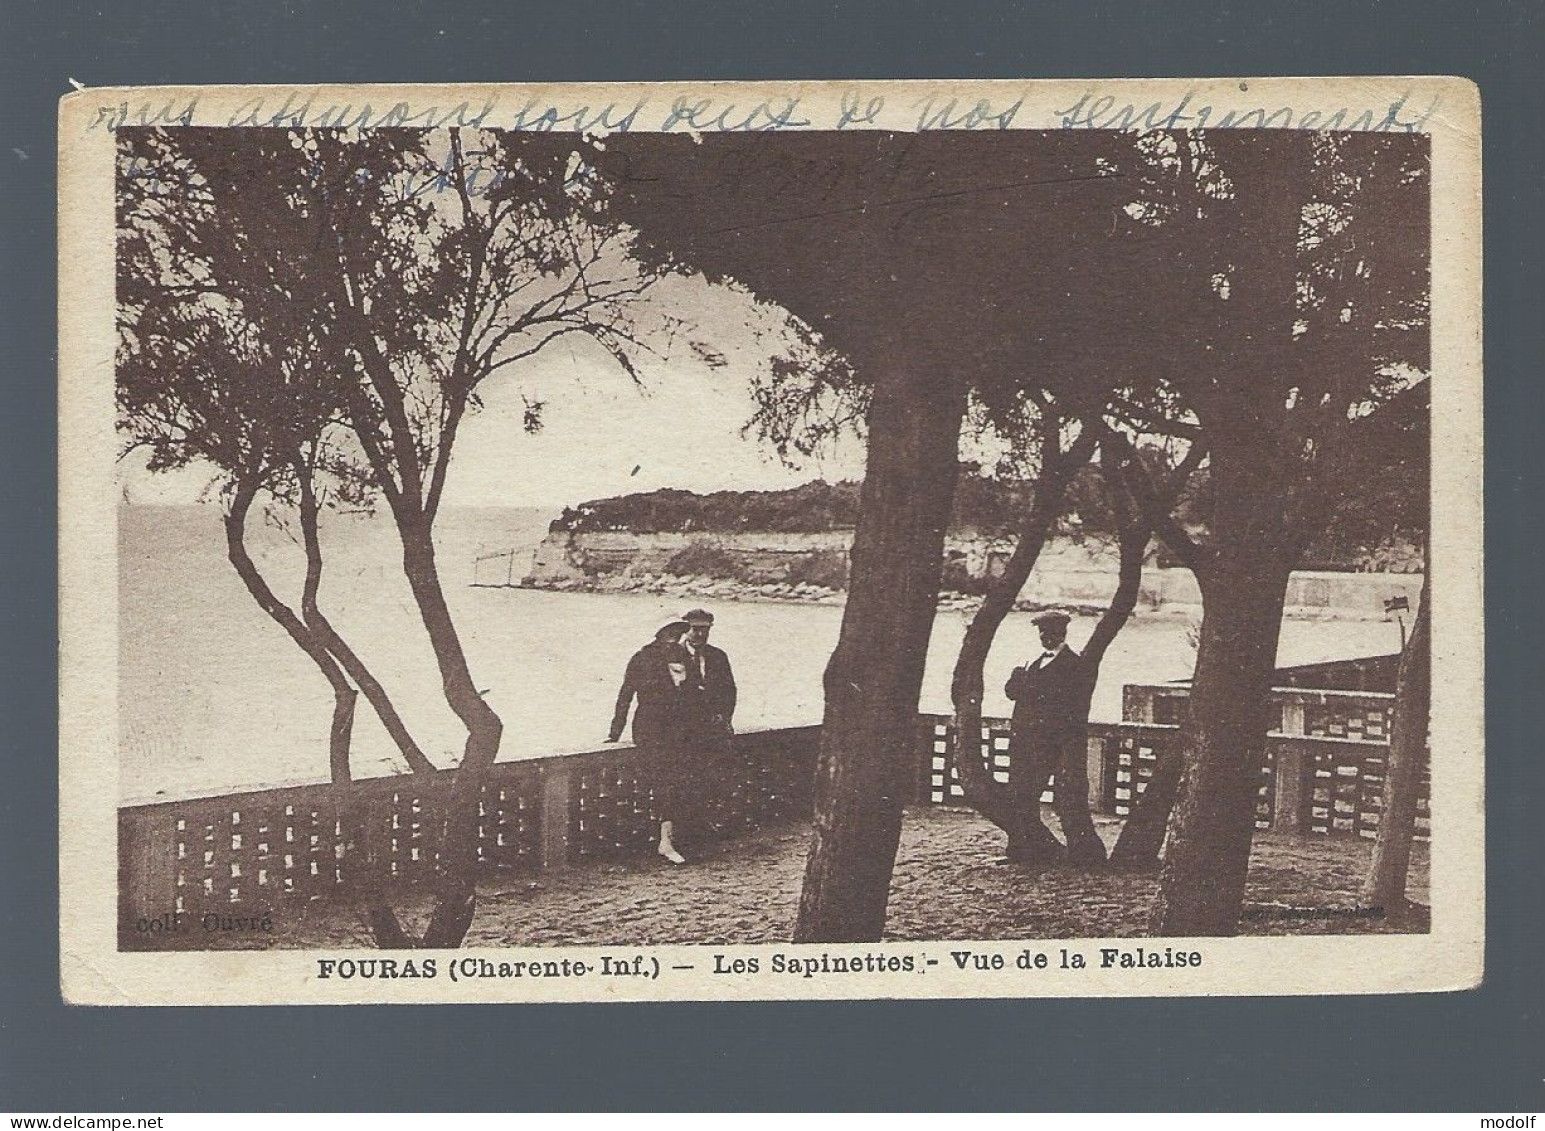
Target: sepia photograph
[{"x": 767, "y": 545}]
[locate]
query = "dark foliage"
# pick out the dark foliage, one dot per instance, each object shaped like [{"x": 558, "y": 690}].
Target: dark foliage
[
  {"x": 817, "y": 506},
  {"x": 1386, "y": 512}
]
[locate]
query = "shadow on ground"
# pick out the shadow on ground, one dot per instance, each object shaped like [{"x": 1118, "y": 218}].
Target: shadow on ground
[{"x": 946, "y": 886}]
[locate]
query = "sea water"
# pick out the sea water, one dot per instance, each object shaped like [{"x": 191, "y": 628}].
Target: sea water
[{"x": 214, "y": 697}]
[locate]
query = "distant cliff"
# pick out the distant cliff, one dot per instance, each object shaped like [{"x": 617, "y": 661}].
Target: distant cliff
[
  {"x": 812, "y": 567},
  {"x": 793, "y": 544},
  {"x": 814, "y": 563},
  {"x": 1378, "y": 525}
]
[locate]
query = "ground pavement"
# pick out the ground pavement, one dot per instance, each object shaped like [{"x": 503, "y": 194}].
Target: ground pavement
[{"x": 946, "y": 886}]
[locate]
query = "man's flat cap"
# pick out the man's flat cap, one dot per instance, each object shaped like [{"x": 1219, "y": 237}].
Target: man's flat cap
[
  {"x": 697, "y": 616},
  {"x": 1051, "y": 616}
]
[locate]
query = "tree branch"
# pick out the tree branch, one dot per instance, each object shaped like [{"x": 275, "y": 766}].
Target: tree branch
[{"x": 1157, "y": 510}]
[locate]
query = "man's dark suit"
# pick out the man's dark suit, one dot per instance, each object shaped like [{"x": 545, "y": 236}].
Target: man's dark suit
[
  {"x": 708, "y": 723},
  {"x": 1049, "y": 737},
  {"x": 713, "y": 703},
  {"x": 1051, "y": 696}
]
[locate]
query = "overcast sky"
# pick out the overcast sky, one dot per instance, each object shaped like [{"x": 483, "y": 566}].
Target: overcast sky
[{"x": 602, "y": 434}]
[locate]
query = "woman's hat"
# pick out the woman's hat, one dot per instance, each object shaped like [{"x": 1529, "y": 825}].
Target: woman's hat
[{"x": 671, "y": 631}]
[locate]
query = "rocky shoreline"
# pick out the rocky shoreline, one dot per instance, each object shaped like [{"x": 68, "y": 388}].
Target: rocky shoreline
[
  {"x": 717, "y": 589},
  {"x": 1077, "y": 575},
  {"x": 782, "y": 592}
]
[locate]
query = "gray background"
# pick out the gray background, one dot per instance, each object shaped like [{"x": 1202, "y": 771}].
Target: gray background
[{"x": 1479, "y": 1051}]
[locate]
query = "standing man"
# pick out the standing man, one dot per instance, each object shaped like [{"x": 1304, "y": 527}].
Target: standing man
[
  {"x": 1050, "y": 739},
  {"x": 709, "y": 670},
  {"x": 710, "y": 712}
]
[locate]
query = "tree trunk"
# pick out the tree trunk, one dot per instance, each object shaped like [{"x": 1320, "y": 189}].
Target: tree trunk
[
  {"x": 1029, "y": 838},
  {"x": 869, "y": 731},
  {"x": 340, "y": 734},
  {"x": 456, "y": 894},
  {"x": 1072, "y": 789},
  {"x": 384, "y": 926},
  {"x": 368, "y": 871},
  {"x": 1145, "y": 509},
  {"x": 339, "y": 739},
  {"x": 1202, "y": 880},
  {"x": 1142, "y": 836},
  {"x": 345, "y": 656},
  {"x": 1386, "y": 883},
  {"x": 1070, "y": 801},
  {"x": 344, "y": 695},
  {"x": 375, "y": 695},
  {"x": 967, "y": 686}
]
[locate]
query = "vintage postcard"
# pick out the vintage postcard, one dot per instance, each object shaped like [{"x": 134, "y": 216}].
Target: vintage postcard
[{"x": 781, "y": 540}]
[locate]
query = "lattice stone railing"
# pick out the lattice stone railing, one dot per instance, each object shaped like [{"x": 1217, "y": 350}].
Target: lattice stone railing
[
  {"x": 1325, "y": 755},
  {"x": 1309, "y": 783},
  {"x": 243, "y": 853},
  {"x": 1121, "y": 762},
  {"x": 1295, "y": 710}
]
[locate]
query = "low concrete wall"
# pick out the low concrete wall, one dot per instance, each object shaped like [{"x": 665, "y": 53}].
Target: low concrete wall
[
  {"x": 1309, "y": 594},
  {"x": 1361, "y": 593}
]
